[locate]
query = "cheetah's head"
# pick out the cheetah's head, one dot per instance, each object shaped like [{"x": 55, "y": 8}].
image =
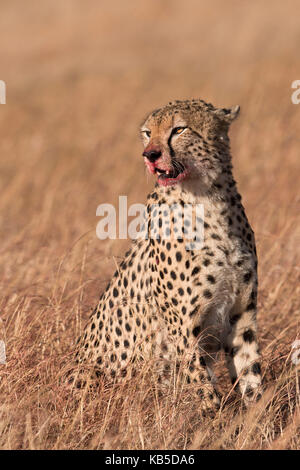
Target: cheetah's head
[{"x": 187, "y": 140}]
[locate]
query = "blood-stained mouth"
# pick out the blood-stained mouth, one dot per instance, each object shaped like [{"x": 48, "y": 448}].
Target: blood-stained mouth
[{"x": 171, "y": 176}]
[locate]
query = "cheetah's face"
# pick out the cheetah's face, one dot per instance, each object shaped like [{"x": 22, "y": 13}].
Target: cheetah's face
[{"x": 184, "y": 141}]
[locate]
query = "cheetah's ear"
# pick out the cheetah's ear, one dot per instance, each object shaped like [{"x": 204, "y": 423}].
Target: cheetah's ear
[{"x": 228, "y": 114}]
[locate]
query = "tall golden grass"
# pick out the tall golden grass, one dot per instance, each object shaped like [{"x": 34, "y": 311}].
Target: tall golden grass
[{"x": 80, "y": 77}]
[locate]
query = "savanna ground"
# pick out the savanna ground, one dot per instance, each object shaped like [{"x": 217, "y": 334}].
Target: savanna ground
[{"x": 80, "y": 78}]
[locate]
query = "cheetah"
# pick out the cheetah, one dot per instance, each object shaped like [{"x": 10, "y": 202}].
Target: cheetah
[{"x": 173, "y": 301}]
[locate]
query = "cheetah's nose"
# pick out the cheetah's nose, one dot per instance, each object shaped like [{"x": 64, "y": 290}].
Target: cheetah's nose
[{"x": 152, "y": 155}]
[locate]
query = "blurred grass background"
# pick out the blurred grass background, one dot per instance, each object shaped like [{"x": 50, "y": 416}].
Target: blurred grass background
[{"x": 80, "y": 78}]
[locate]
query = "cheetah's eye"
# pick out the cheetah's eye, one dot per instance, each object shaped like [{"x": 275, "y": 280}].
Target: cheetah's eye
[
  {"x": 147, "y": 132},
  {"x": 177, "y": 130}
]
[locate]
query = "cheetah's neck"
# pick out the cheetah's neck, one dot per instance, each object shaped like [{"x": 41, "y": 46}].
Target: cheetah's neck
[{"x": 222, "y": 205}]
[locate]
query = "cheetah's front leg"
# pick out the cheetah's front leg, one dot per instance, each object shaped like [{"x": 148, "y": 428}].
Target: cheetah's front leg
[{"x": 242, "y": 355}]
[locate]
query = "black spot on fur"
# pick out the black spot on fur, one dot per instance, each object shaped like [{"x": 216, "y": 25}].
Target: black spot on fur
[
  {"x": 202, "y": 361},
  {"x": 195, "y": 270},
  {"x": 196, "y": 331},
  {"x": 248, "y": 336},
  {"x": 207, "y": 294},
  {"x": 250, "y": 306},
  {"x": 256, "y": 368},
  {"x": 234, "y": 351},
  {"x": 234, "y": 319},
  {"x": 115, "y": 292}
]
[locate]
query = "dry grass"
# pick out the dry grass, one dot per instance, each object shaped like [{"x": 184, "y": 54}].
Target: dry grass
[{"x": 80, "y": 77}]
